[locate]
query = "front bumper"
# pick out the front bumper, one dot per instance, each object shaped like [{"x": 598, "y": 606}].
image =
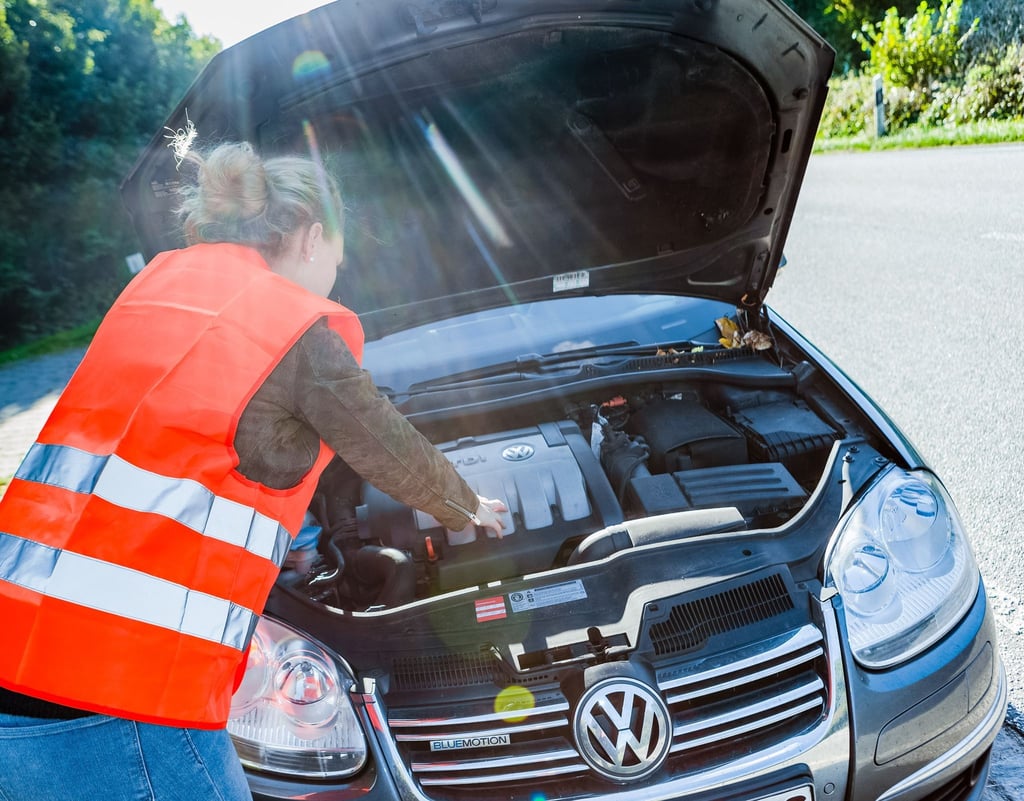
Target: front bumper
[
  {"x": 920, "y": 731},
  {"x": 924, "y": 730}
]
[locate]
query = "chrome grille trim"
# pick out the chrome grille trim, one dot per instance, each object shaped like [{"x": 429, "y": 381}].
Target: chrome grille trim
[
  {"x": 784, "y": 700},
  {"x": 824, "y": 746},
  {"x": 547, "y": 708},
  {"x": 739, "y": 681},
  {"x": 509, "y": 729},
  {"x": 784, "y": 666},
  {"x": 449, "y": 781},
  {"x": 794, "y": 703},
  {"x": 752, "y": 658},
  {"x": 567, "y": 754},
  {"x": 794, "y": 653},
  {"x": 534, "y": 758}
]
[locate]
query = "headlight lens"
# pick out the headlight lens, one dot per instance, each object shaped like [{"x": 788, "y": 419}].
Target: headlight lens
[
  {"x": 903, "y": 567},
  {"x": 292, "y": 714}
]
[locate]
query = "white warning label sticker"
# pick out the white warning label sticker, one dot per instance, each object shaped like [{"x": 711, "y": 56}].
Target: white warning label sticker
[{"x": 552, "y": 595}]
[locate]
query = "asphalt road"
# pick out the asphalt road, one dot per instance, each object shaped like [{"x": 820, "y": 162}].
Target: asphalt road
[{"x": 907, "y": 269}]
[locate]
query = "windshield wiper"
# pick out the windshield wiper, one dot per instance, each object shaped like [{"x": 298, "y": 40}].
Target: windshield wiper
[{"x": 617, "y": 356}]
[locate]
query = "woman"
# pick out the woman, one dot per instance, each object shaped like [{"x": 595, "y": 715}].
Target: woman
[{"x": 145, "y": 527}]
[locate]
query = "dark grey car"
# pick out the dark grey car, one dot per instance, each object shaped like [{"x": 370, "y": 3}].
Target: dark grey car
[{"x": 726, "y": 575}]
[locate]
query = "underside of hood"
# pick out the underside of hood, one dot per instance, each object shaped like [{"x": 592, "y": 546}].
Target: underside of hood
[{"x": 495, "y": 152}]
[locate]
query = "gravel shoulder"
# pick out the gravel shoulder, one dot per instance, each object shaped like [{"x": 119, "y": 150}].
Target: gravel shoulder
[{"x": 28, "y": 391}]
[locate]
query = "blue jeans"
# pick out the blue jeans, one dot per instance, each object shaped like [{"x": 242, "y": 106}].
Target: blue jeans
[{"x": 100, "y": 757}]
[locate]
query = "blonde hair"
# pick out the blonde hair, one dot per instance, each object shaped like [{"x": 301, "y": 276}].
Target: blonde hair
[{"x": 241, "y": 198}]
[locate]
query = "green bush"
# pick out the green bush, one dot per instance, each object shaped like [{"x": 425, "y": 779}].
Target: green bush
[
  {"x": 931, "y": 77},
  {"x": 987, "y": 92},
  {"x": 993, "y": 92},
  {"x": 917, "y": 51},
  {"x": 905, "y": 107},
  {"x": 848, "y": 107}
]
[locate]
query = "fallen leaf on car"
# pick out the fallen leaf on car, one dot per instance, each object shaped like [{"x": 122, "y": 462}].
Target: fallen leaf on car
[
  {"x": 730, "y": 332},
  {"x": 757, "y": 340}
]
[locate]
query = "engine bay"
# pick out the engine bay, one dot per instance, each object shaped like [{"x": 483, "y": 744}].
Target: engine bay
[{"x": 742, "y": 457}]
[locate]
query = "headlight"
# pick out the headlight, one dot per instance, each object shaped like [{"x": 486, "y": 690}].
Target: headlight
[
  {"x": 903, "y": 568},
  {"x": 292, "y": 714}
]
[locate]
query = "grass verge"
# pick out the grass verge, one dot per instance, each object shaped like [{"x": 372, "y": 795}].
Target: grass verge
[
  {"x": 987, "y": 132},
  {"x": 54, "y": 343}
]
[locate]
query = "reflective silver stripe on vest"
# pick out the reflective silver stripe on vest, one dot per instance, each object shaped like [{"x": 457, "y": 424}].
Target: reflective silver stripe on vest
[
  {"x": 181, "y": 499},
  {"x": 124, "y": 592}
]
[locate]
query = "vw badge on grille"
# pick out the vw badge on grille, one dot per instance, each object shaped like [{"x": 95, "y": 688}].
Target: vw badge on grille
[
  {"x": 519, "y": 452},
  {"x": 622, "y": 728}
]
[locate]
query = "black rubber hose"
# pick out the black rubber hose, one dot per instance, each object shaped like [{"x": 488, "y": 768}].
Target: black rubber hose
[{"x": 389, "y": 568}]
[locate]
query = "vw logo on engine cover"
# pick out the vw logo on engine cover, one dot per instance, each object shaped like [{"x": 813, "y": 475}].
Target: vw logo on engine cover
[
  {"x": 517, "y": 453},
  {"x": 623, "y": 729}
]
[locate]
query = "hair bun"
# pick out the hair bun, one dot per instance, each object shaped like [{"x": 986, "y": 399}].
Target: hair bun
[
  {"x": 238, "y": 197},
  {"x": 233, "y": 183}
]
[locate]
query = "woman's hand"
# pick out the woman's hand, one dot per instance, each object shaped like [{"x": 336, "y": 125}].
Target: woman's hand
[{"x": 487, "y": 512}]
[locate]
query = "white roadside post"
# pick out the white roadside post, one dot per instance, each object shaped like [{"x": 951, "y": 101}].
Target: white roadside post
[
  {"x": 879, "y": 108},
  {"x": 135, "y": 262}
]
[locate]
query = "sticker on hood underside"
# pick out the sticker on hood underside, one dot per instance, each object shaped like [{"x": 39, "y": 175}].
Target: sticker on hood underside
[
  {"x": 577, "y": 280},
  {"x": 552, "y": 595}
]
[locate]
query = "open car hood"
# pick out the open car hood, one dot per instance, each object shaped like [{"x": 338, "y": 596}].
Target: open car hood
[{"x": 494, "y": 152}]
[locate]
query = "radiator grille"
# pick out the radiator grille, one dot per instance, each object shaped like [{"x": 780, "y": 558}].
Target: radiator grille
[
  {"x": 440, "y": 672},
  {"x": 690, "y": 624},
  {"x": 723, "y": 707}
]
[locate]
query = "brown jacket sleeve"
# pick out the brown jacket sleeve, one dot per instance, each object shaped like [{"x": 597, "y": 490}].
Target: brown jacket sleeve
[{"x": 318, "y": 391}]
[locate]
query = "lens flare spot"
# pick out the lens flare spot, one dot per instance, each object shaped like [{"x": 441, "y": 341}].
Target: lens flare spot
[
  {"x": 513, "y": 703},
  {"x": 309, "y": 62},
  {"x": 538, "y": 797},
  {"x": 462, "y": 180}
]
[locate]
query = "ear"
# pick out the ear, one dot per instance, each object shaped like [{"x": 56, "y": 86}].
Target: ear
[{"x": 313, "y": 240}]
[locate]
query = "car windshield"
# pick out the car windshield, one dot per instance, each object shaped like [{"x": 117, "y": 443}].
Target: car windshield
[{"x": 471, "y": 341}]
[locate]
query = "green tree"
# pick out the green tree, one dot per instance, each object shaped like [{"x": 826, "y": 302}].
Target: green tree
[
  {"x": 916, "y": 51},
  {"x": 85, "y": 85},
  {"x": 840, "y": 21}
]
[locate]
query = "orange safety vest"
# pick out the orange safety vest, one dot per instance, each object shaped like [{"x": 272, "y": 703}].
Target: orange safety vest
[{"x": 134, "y": 559}]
